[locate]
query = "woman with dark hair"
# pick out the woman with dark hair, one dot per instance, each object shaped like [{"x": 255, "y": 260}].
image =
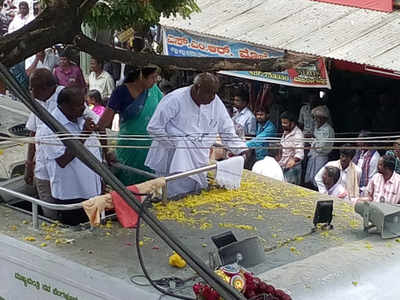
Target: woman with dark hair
[
  {"x": 67, "y": 73},
  {"x": 135, "y": 101}
]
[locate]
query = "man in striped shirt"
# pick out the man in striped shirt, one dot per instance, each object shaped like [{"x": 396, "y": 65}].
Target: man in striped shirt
[{"x": 385, "y": 185}]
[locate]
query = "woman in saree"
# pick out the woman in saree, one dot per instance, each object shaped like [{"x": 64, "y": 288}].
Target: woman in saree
[{"x": 135, "y": 101}]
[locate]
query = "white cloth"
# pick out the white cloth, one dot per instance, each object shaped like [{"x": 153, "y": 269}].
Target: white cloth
[
  {"x": 104, "y": 83},
  {"x": 49, "y": 62},
  {"x": 343, "y": 175},
  {"x": 246, "y": 119},
  {"x": 269, "y": 167},
  {"x": 19, "y": 22},
  {"x": 75, "y": 180},
  {"x": 36, "y": 125},
  {"x": 184, "y": 132},
  {"x": 229, "y": 172},
  {"x": 338, "y": 191}
]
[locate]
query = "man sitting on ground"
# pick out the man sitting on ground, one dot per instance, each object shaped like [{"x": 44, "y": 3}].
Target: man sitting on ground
[
  {"x": 331, "y": 180},
  {"x": 350, "y": 173},
  {"x": 385, "y": 185},
  {"x": 269, "y": 166},
  {"x": 70, "y": 179}
]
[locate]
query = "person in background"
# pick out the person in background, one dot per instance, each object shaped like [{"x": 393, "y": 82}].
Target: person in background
[
  {"x": 21, "y": 18},
  {"x": 47, "y": 59},
  {"x": 396, "y": 154},
  {"x": 318, "y": 155},
  {"x": 292, "y": 148},
  {"x": 242, "y": 114},
  {"x": 70, "y": 179},
  {"x": 350, "y": 173},
  {"x": 306, "y": 120},
  {"x": 4, "y": 22},
  {"x": 265, "y": 130},
  {"x": 68, "y": 73},
  {"x": 135, "y": 101},
  {"x": 45, "y": 90},
  {"x": 95, "y": 102},
  {"x": 385, "y": 185},
  {"x": 184, "y": 127},
  {"x": 269, "y": 165},
  {"x": 99, "y": 79},
  {"x": 367, "y": 159},
  {"x": 331, "y": 180}
]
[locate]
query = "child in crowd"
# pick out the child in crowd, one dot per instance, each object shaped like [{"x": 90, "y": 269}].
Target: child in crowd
[{"x": 95, "y": 102}]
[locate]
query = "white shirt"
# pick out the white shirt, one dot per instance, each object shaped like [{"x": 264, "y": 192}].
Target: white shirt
[
  {"x": 36, "y": 125},
  {"x": 49, "y": 62},
  {"x": 104, "y": 83},
  {"x": 19, "y": 22},
  {"x": 338, "y": 191},
  {"x": 75, "y": 180},
  {"x": 246, "y": 119},
  {"x": 321, "y": 134},
  {"x": 292, "y": 146},
  {"x": 184, "y": 132},
  {"x": 269, "y": 167},
  {"x": 343, "y": 175}
]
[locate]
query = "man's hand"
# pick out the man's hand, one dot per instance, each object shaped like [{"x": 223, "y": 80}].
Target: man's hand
[
  {"x": 29, "y": 171},
  {"x": 290, "y": 164},
  {"x": 89, "y": 126}
]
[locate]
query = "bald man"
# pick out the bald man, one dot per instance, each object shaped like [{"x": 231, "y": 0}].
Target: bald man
[
  {"x": 184, "y": 126},
  {"x": 45, "y": 90}
]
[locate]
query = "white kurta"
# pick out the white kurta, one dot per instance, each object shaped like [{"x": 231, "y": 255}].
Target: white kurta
[{"x": 183, "y": 134}]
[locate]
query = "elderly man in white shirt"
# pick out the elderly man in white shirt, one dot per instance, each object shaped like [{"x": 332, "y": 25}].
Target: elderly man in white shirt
[
  {"x": 45, "y": 90},
  {"x": 292, "y": 148},
  {"x": 242, "y": 115},
  {"x": 321, "y": 146},
  {"x": 331, "y": 179},
  {"x": 71, "y": 180},
  {"x": 269, "y": 165},
  {"x": 350, "y": 173},
  {"x": 184, "y": 127},
  {"x": 99, "y": 79},
  {"x": 22, "y": 18}
]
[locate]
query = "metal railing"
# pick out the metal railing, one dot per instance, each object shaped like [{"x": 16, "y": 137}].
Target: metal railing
[{"x": 36, "y": 203}]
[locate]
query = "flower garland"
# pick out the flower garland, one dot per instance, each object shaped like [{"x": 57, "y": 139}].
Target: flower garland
[{"x": 245, "y": 282}]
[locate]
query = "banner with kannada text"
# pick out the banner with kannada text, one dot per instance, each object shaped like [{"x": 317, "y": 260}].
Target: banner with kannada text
[{"x": 180, "y": 43}]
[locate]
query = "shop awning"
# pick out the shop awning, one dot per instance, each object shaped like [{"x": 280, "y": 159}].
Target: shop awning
[{"x": 303, "y": 26}]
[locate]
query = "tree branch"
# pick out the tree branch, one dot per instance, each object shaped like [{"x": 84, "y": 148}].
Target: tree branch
[{"x": 95, "y": 49}]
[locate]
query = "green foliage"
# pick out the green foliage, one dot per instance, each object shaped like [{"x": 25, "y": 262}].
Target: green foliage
[{"x": 138, "y": 14}]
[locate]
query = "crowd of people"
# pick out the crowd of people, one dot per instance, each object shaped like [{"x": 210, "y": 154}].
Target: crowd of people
[{"x": 185, "y": 125}]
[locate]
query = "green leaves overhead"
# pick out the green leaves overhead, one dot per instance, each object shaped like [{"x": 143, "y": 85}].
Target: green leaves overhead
[{"x": 139, "y": 14}]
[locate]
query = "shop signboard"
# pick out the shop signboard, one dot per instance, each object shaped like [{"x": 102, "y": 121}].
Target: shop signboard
[
  {"x": 181, "y": 43},
  {"x": 381, "y": 5}
]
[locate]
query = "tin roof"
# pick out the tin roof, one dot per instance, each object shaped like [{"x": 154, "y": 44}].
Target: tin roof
[{"x": 304, "y": 26}]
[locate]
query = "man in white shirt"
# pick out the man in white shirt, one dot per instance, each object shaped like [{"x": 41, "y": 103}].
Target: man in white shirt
[
  {"x": 45, "y": 90},
  {"x": 22, "y": 18},
  {"x": 331, "y": 179},
  {"x": 184, "y": 127},
  {"x": 269, "y": 165},
  {"x": 70, "y": 179},
  {"x": 350, "y": 173},
  {"x": 321, "y": 146},
  {"x": 292, "y": 148},
  {"x": 242, "y": 115},
  {"x": 99, "y": 79}
]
